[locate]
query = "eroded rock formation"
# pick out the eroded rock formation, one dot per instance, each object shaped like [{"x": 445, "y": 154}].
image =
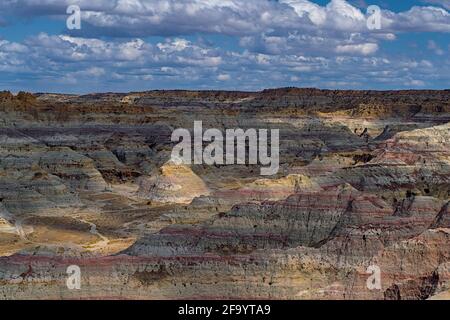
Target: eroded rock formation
[{"x": 364, "y": 182}]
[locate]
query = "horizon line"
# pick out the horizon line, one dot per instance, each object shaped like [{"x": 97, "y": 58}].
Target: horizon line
[{"x": 224, "y": 90}]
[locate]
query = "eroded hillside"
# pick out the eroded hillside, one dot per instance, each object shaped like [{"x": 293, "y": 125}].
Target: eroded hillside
[{"x": 87, "y": 180}]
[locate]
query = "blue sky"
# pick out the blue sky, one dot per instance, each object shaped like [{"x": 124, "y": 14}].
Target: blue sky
[{"x": 133, "y": 45}]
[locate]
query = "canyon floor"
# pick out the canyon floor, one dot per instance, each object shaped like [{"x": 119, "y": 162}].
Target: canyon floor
[{"x": 87, "y": 180}]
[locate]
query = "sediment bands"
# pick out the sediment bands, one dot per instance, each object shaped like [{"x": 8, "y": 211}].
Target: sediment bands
[{"x": 364, "y": 180}]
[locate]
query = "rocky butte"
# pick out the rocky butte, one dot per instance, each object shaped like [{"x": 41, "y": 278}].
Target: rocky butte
[{"x": 362, "y": 190}]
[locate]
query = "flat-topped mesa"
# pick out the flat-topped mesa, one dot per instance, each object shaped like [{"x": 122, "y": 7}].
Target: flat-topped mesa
[{"x": 383, "y": 103}]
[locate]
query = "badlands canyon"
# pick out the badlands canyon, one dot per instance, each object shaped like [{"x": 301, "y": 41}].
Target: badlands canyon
[{"x": 87, "y": 180}]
